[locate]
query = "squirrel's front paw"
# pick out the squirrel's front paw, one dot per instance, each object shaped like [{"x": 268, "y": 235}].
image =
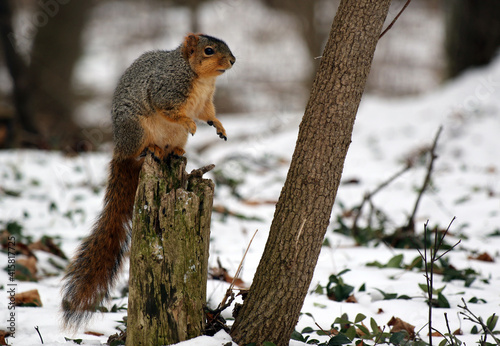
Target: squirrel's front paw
[
  {"x": 220, "y": 129},
  {"x": 190, "y": 126}
]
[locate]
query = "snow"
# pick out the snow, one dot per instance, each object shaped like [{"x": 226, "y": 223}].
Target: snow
[{"x": 50, "y": 194}]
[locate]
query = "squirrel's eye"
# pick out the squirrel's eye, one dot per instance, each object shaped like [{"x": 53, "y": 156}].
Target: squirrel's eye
[{"x": 209, "y": 51}]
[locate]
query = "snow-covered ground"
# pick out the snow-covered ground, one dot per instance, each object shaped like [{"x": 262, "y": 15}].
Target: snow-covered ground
[{"x": 48, "y": 194}]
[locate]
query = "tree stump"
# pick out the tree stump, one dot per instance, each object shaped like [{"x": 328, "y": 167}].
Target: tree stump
[{"x": 169, "y": 253}]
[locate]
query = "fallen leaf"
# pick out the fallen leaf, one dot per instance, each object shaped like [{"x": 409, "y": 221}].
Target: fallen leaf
[
  {"x": 438, "y": 334},
  {"x": 399, "y": 325},
  {"x": 29, "y": 263},
  {"x": 380, "y": 311},
  {"x": 93, "y": 333},
  {"x": 220, "y": 273},
  {"x": 26, "y": 269},
  {"x": 458, "y": 332},
  {"x": 351, "y": 299},
  {"x": 485, "y": 257},
  {"x": 3, "y": 335},
  {"x": 28, "y": 298},
  {"x": 47, "y": 244},
  {"x": 21, "y": 248}
]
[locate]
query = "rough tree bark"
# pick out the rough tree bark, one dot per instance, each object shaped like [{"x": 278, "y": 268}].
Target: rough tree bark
[
  {"x": 302, "y": 214},
  {"x": 169, "y": 254}
]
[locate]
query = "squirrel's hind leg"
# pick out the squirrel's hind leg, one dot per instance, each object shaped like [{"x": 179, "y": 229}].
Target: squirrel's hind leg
[
  {"x": 163, "y": 154},
  {"x": 158, "y": 153}
]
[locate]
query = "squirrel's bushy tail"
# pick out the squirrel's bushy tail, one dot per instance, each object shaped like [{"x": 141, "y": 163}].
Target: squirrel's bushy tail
[{"x": 92, "y": 272}]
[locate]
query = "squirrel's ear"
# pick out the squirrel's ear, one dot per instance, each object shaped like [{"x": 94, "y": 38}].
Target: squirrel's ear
[{"x": 189, "y": 45}]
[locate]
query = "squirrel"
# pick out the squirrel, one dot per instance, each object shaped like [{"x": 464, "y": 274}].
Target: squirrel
[{"x": 154, "y": 107}]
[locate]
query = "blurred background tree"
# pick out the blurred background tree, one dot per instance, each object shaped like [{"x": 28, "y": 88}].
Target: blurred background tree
[
  {"x": 60, "y": 59},
  {"x": 42, "y": 95},
  {"x": 472, "y": 33}
]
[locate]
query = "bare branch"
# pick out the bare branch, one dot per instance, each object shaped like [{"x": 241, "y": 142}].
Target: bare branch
[
  {"x": 395, "y": 19},
  {"x": 369, "y": 195},
  {"x": 449, "y": 330},
  {"x": 426, "y": 180},
  {"x": 473, "y": 318},
  {"x": 238, "y": 271}
]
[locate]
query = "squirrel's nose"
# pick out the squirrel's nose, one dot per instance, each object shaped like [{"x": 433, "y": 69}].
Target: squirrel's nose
[{"x": 232, "y": 60}]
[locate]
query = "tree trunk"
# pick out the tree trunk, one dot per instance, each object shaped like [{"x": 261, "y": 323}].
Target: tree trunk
[
  {"x": 57, "y": 46},
  {"x": 169, "y": 254},
  {"x": 21, "y": 88},
  {"x": 472, "y": 33},
  {"x": 302, "y": 214}
]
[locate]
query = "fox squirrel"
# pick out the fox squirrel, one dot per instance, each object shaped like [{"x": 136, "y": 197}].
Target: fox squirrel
[{"x": 154, "y": 107}]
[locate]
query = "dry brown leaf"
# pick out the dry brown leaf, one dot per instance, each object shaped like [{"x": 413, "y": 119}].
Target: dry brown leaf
[
  {"x": 28, "y": 298},
  {"x": 21, "y": 248},
  {"x": 485, "y": 257},
  {"x": 29, "y": 263},
  {"x": 47, "y": 244},
  {"x": 93, "y": 333},
  {"x": 219, "y": 273},
  {"x": 438, "y": 334},
  {"x": 458, "y": 332},
  {"x": 380, "y": 311},
  {"x": 351, "y": 299},
  {"x": 399, "y": 325},
  {"x": 3, "y": 335}
]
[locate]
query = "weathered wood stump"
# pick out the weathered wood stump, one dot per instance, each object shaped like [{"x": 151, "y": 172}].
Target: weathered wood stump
[{"x": 169, "y": 253}]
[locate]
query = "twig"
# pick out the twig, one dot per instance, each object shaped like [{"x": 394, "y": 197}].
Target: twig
[
  {"x": 40, "y": 335},
  {"x": 429, "y": 272},
  {"x": 324, "y": 331},
  {"x": 379, "y": 336},
  {"x": 238, "y": 271},
  {"x": 369, "y": 195},
  {"x": 437, "y": 331},
  {"x": 478, "y": 320},
  {"x": 449, "y": 330},
  {"x": 395, "y": 19},
  {"x": 427, "y": 180},
  {"x": 442, "y": 238},
  {"x": 430, "y": 280}
]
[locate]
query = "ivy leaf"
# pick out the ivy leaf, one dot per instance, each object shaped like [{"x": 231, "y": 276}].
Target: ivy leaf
[
  {"x": 363, "y": 329},
  {"x": 491, "y": 322},
  {"x": 338, "y": 340},
  {"x": 307, "y": 330},
  {"x": 397, "y": 338},
  {"x": 374, "y": 326},
  {"x": 442, "y": 301},
  {"x": 339, "y": 320},
  {"x": 395, "y": 262},
  {"x": 351, "y": 332},
  {"x": 359, "y": 318},
  {"x": 297, "y": 336}
]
